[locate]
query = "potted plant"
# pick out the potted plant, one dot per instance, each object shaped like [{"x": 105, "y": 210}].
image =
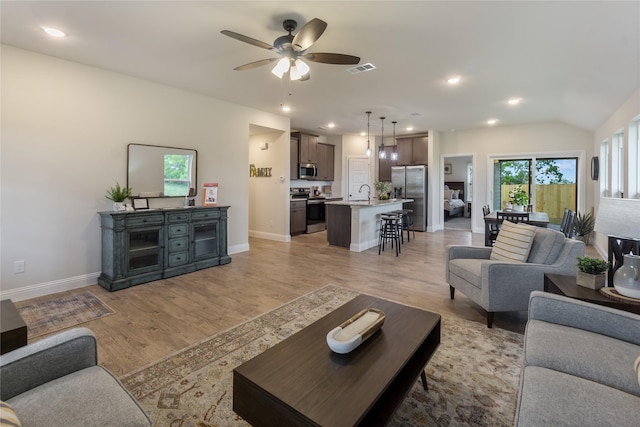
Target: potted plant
[
  {"x": 118, "y": 195},
  {"x": 584, "y": 226},
  {"x": 592, "y": 272},
  {"x": 383, "y": 188},
  {"x": 519, "y": 198}
]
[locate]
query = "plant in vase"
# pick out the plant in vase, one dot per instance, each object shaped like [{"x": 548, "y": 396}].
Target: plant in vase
[
  {"x": 383, "y": 188},
  {"x": 592, "y": 272},
  {"x": 584, "y": 226},
  {"x": 118, "y": 195},
  {"x": 519, "y": 198}
]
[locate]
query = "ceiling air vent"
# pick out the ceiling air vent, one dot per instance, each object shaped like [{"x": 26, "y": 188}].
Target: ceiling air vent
[{"x": 361, "y": 68}]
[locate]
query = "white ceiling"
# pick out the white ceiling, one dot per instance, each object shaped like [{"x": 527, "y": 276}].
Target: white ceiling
[{"x": 572, "y": 61}]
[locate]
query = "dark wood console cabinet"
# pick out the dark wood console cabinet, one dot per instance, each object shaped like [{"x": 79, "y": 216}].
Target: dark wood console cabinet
[{"x": 147, "y": 245}]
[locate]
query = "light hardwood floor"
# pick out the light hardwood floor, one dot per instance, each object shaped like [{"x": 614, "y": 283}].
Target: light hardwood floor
[{"x": 158, "y": 318}]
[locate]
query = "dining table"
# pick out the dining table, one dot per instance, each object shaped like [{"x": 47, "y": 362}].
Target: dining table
[{"x": 539, "y": 219}]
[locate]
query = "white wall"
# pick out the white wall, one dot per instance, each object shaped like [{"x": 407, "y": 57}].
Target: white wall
[
  {"x": 620, "y": 119},
  {"x": 65, "y": 130},
  {"x": 542, "y": 138}
]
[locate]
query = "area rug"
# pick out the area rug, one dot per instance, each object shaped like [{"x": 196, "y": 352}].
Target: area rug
[
  {"x": 59, "y": 313},
  {"x": 472, "y": 377}
]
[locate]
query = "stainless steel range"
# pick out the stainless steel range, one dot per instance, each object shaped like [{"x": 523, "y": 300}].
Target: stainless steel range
[{"x": 315, "y": 209}]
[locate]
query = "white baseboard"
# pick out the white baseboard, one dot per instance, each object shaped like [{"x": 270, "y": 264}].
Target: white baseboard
[
  {"x": 270, "y": 236},
  {"x": 48, "y": 288},
  {"x": 236, "y": 249}
]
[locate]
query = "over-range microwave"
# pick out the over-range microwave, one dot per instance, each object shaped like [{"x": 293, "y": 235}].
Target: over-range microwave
[{"x": 307, "y": 171}]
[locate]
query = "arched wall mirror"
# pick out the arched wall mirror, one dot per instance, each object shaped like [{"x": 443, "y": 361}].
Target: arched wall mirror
[{"x": 156, "y": 171}]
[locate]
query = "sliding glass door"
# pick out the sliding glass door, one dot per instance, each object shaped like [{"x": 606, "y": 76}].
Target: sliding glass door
[{"x": 551, "y": 183}]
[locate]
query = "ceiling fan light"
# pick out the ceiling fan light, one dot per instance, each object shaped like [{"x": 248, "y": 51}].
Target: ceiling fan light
[
  {"x": 282, "y": 66},
  {"x": 302, "y": 67},
  {"x": 294, "y": 73}
]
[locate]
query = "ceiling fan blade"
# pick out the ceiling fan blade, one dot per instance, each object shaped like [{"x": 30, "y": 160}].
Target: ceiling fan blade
[
  {"x": 247, "y": 39},
  {"x": 308, "y": 34},
  {"x": 331, "y": 58},
  {"x": 256, "y": 64}
]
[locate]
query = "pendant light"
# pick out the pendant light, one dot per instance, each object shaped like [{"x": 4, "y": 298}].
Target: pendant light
[
  {"x": 381, "y": 153},
  {"x": 368, "y": 144},
  {"x": 394, "y": 154}
]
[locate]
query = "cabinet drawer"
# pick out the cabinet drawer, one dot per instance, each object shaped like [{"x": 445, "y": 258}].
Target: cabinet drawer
[
  {"x": 179, "y": 258},
  {"x": 205, "y": 214},
  {"x": 179, "y": 244},
  {"x": 135, "y": 221},
  {"x": 298, "y": 204},
  {"x": 178, "y": 217},
  {"x": 178, "y": 230}
]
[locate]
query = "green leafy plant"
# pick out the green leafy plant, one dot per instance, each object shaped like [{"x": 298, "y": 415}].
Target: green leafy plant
[
  {"x": 383, "y": 188},
  {"x": 592, "y": 265},
  {"x": 519, "y": 196},
  {"x": 584, "y": 224},
  {"x": 118, "y": 193}
]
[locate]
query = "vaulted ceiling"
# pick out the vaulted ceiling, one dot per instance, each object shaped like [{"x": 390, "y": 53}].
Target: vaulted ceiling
[{"x": 570, "y": 61}]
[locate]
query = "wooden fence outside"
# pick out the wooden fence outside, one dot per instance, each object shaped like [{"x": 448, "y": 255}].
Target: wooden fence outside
[{"x": 550, "y": 198}]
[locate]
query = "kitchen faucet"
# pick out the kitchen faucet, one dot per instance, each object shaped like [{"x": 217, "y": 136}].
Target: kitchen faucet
[{"x": 368, "y": 191}]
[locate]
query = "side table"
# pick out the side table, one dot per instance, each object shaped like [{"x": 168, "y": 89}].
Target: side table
[
  {"x": 13, "y": 329},
  {"x": 566, "y": 285}
]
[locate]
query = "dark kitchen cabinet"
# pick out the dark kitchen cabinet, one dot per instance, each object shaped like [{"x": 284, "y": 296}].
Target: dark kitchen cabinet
[
  {"x": 294, "y": 158},
  {"x": 384, "y": 165},
  {"x": 413, "y": 151},
  {"x": 308, "y": 147},
  {"x": 298, "y": 217},
  {"x": 326, "y": 159}
]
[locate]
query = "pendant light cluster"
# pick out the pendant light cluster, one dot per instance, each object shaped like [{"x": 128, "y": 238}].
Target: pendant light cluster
[{"x": 382, "y": 154}]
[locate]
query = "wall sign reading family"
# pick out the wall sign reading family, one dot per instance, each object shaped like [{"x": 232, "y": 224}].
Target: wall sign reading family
[{"x": 255, "y": 172}]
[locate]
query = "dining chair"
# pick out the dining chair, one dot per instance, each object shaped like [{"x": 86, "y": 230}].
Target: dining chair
[
  {"x": 565, "y": 217},
  {"x": 569, "y": 224},
  {"x": 492, "y": 228},
  {"x": 514, "y": 217}
]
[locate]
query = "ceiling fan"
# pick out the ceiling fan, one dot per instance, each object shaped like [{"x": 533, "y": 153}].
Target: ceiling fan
[{"x": 293, "y": 49}]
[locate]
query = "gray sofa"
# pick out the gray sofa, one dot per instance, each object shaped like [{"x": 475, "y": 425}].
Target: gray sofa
[
  {"x": 578, "y": 365},
  {"x": 505, "y": 286},
  {"x": 57, "y": 382}
]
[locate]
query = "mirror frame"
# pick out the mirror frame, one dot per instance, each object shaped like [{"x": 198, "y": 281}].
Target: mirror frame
[{"x": 172, "y": 150}]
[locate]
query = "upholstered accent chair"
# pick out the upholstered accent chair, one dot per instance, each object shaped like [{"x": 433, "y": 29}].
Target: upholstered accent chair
[
  {"x": 501, "y": 285},
  {"x": 57, "y": 382}
]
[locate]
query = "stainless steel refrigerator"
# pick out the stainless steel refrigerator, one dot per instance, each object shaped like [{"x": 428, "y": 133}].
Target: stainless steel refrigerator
[{"x": 410, "y": 182}]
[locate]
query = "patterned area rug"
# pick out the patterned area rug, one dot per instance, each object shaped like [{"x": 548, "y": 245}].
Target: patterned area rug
[
  {"x": 63, "y": 312},
  {"x": 473, "y": 376}
]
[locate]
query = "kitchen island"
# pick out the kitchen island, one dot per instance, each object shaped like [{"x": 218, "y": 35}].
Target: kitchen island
[{"x": 355, "y": 224}]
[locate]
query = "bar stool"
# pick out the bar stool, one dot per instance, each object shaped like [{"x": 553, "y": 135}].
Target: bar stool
[
  {"x": 389, "y": 231},
  {"x": 406, "y": 224}
]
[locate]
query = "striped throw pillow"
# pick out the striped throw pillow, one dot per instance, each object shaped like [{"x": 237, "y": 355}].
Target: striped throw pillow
[
  {"x": 513, "y": 242},
  {"x": 8, "y": 418}
]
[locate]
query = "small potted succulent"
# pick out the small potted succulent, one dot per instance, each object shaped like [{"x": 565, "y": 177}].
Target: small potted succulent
[
  {"x": 118, "y": 194},
  {"x": 592, "y": 272}
]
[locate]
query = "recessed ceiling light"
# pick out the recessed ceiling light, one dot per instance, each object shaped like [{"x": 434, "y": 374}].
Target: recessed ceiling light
[
  {"x": 286, "y": 108},
  {"x": 363, "y": 134},
  {"x": 410, "y": 128},
  {"x": 492, "y": 121},
  {"x": 514, "y": 101},
  {"x": 454, "y": 80},
  {"x": 331, "y": 125},
  {"x": 54, "y": 32}
]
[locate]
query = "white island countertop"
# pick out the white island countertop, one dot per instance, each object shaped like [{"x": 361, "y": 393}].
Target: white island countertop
[{"x": 364, "y": 203}]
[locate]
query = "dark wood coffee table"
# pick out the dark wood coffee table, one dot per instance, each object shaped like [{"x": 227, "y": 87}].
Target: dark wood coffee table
[
  {"x": 13, "y": 332},
  {"x": 566, "y": 285},
  {"x": 300, "y": 381}
]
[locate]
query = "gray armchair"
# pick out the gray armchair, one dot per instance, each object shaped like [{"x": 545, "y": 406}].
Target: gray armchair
[
  {"x": 57, "y": 382},
  {"x": 505, "y": 286}
]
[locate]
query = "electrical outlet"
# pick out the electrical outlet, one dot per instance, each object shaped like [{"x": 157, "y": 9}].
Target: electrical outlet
[{"x": 18, "y": 267}]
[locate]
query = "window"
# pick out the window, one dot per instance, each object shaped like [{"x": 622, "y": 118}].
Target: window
[
  {"x": 604, "y": 168},
  {"x": 617, "y": 164},
  {"x": 634, "y": 159},
  {"x": 469, "y": 192}
]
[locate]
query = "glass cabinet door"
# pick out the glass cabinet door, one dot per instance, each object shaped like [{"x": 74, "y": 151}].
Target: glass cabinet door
[
  {"x": 205, "y": 237},
  {"x": 144, "y": 249}
]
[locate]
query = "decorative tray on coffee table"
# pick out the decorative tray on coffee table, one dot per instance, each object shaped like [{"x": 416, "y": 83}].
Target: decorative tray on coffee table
[{"x": 353, "y": 332}]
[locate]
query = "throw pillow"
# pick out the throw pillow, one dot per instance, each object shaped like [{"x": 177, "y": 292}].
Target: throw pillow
[
  {"x": 636, "y": 366},
  {"x": 448, "y": 194},
  {"x": 513, "y": 242},
  {"x": 455, "y": 194},
  {"x": 8, "y": 418}
]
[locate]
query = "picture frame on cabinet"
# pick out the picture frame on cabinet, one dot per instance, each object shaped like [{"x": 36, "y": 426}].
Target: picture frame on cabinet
[
  {"x": 448, "y": 169},
  {"x": 140, "y": 203}
]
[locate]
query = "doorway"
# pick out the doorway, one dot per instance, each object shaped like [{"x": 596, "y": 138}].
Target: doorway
[{"x": 458, "y": 174}]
